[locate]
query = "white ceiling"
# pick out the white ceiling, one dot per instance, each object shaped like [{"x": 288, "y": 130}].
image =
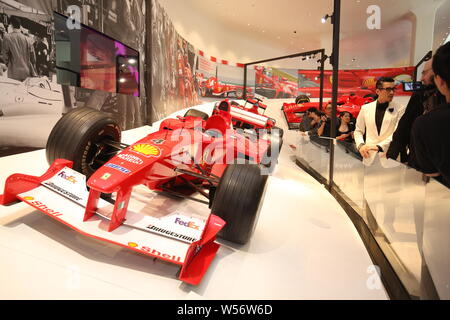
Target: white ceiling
[
  {"x": 294, "y": 26},
  {"x": 289, "y": 24}
]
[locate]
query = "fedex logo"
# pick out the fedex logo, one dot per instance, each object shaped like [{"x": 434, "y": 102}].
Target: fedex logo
[
  {"x": 189, "y": 224},
  {"x": 63, "y": 175}
]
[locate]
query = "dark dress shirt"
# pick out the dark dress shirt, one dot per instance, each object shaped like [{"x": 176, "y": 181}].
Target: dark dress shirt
[
  {"x": 430, "y": 152},
  {"x": 379, "y": 114}
]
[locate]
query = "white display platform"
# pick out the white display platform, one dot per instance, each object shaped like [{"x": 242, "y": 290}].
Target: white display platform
[{"x": 304, "y": 247}]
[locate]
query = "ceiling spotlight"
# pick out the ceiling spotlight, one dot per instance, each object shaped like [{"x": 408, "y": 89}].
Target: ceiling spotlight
[
  {"x": 324, "y": 19},
  {"x": 132, "y": 61}
]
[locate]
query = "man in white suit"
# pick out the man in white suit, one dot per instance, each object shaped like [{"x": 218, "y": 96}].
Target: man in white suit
[{"x": 378, "y": 121}]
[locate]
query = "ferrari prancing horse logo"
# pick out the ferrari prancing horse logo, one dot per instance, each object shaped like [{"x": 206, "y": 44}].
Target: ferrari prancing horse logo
[{"x": 146, "y": 150}]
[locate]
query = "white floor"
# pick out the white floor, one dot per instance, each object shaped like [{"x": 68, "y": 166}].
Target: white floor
[{"x": 304, "y": 247}]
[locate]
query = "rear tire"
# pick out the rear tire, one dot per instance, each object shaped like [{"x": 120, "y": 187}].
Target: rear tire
[
  {"x": 303, "y": 98},
  {"x": 79, "y": 137},
  {"x": 269, "y": 160},
  {"x": 197, "y": 114},
  {"x": 280, "y": 131},
  {"x": 238, "y": 200}
]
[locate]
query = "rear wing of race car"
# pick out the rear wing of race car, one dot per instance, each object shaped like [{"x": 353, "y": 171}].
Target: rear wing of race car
[
  {"x": 57, "y": 193},
  {"x": 293, "y": 121}
]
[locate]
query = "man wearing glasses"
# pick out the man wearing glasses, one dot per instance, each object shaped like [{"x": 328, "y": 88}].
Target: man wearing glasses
[{"x": 378, "y": 121}]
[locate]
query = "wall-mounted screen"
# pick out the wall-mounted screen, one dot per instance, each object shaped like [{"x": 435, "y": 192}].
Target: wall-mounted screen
[{"x": 90, "y": 59}]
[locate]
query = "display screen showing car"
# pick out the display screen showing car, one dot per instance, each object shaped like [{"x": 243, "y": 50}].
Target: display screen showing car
[{"x": 90, "y": 59}]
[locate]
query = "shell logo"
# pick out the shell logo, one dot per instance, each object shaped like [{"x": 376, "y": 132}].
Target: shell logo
[
  {"x": 28, "y": 198},
  {"x": 133, "y": 244},
  {"x": 147, "y": 150}
]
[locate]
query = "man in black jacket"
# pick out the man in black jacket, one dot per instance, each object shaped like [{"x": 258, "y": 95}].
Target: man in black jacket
[
  {"x": 430, "y": 142},
  {"x": 420, "y": 103}
]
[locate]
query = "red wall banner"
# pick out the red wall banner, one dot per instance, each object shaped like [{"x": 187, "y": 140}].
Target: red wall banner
[{"x": 360, "y": 82}]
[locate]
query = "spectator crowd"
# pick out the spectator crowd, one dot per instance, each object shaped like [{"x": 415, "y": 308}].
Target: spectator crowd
[
  {"x": 418, "y": 135},
  {"x": 22, "y": 55}
]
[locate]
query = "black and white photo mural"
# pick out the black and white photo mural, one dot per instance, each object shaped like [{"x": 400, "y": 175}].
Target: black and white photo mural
[
  {"x": 31, "y": 100},
  {"x": 182, "y": 75},
  {"x": 33, "y": 96}
]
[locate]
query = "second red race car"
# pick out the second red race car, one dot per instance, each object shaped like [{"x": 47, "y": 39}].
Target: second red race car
[{"x": 294, "y": 112}]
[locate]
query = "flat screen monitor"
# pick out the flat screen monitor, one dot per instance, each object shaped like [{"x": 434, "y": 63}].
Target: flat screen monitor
[{"x": 89, "y": 59}]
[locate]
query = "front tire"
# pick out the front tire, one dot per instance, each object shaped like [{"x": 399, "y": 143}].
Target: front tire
[
  {"x": 80, "y": 135},
  {"x": 238, "y": 200}
]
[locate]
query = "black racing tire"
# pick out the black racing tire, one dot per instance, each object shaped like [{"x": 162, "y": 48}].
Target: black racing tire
[
  {"x": 281, "y": 131},
  {"x": 79, "y": 137},
  {"x": 303, "y": 98},
  {"x": 238, "y": 201},
  {"x": 276, "y": 142},
  {"x": 196, "y": 113}
]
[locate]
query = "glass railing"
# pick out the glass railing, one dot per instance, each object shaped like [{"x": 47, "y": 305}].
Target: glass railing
[
  {"x": 436, "y": 238},
  {"x": 315, "y": 154},
  {"x": 408, "y": 218}
]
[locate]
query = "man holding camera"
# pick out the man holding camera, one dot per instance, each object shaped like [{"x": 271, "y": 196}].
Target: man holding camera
[
  {"x": 421, "y": 102},
  {"x": 430, "y": 141}
]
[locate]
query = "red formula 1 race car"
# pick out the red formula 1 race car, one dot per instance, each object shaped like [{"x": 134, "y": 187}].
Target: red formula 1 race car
[
  {"x": 213, "y": 87},
  {"x": 248, "y": 116},
  {"x": 294, "y": 112},
  {"x": 191, "y": 157},
  {"x": 251, "y": 119},
  {"x": 273, "y": 86}
]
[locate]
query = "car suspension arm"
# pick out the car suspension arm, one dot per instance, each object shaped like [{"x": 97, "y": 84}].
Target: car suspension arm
[
  {"x": 115, "y": 144},
  {"x": 211, "y": 180},
  {"x": 180, "y": 195}
]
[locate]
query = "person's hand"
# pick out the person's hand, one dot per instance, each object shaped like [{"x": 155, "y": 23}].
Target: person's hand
[
  {"x": 323, "y": 118},
  {"x": 365, "y": 150}
]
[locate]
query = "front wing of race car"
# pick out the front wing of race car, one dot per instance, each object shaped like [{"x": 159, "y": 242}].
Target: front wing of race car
[{"x": 58, "y": 194}]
